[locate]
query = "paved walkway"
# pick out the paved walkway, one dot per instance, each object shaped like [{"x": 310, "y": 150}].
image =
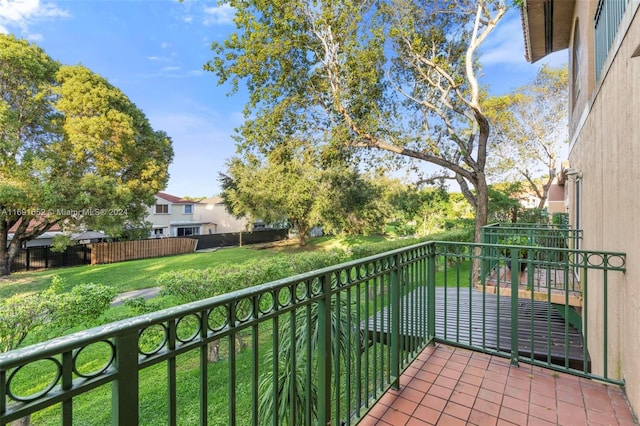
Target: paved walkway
[
  {"x": 147, "y": 293},
  {"x": 453, "y": 386}
]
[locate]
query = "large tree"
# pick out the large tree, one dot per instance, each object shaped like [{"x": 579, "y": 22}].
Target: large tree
[
  {"x": 284, "y": 185},
  {"x": 398, "y": 76},
  {"x": 74, "y": 150},
  {"x": 530, "y": 131},
  {"x": 292, "y": 183}
]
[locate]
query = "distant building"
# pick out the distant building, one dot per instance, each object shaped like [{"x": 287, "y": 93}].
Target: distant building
[
  {"x": 173, "y": 216},
  {"x": 216, "y": 218}
]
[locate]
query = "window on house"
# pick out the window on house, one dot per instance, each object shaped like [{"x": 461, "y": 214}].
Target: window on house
[
  {"x": 575, "y": 65},
  {"x": 188, "y": 230},
  {"x": 188, "y": 209},
  {"x": 162, "y": 208},
  {"x": 606, "y": 22},
  {"x": 158, "y": 232}
]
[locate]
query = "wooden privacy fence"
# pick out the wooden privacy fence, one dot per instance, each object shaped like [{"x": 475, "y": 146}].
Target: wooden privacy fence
[{"x": 140, "y": 249}]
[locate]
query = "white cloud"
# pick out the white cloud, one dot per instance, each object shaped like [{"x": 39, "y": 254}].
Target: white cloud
[
  {"x": 35, "y": 37},
  {"x": 506, "y": 44},
  {"x": 222, "y": 14},
  {"x": 170, "y": 68},
  {"x": 22, "y": 13}
]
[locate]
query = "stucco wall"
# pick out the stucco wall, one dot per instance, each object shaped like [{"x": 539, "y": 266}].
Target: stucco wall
[
  {"x": 217, "y": 214},
  {"x": 607, "y": 152}
]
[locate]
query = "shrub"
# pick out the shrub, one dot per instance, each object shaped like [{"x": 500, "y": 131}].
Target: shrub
[
  {"x": 50, "y": 312},
  {"x": 192, "y": 284}
]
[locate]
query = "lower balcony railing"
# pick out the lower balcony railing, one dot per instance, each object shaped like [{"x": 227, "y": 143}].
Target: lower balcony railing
[{"x": 317, "y": 348}]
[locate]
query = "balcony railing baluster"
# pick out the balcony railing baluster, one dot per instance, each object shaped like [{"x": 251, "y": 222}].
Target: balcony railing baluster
[{"x": 388, "y": 307}]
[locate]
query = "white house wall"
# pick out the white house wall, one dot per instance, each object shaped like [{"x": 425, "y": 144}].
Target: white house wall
[{"x": 217, "y": 214}]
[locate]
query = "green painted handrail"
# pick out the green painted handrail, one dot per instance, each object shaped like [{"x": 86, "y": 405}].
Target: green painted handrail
[{"x": 366, "y": 320}]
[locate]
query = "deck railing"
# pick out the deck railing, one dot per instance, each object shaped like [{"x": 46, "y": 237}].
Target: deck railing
[
  {"x": 544, "y": 235},
  {"x": 317, "y": 348}
]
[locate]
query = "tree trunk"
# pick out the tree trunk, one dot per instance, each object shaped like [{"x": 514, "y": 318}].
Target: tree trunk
[
  {"x": 5, "y": 263},
  {"x": 7, "y": 255},
  {"x": 214, "y": 351},
  {"x": 241, "y": 343},
  {"x": 25, "y": 421},
  {"x": 482, "y": 209},
  {"x": 482, "y": 206},
  {"x": 303, "y": 230}
]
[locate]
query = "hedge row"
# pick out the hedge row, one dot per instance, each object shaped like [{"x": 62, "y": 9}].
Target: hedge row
[{"x": 195, "y": 284}]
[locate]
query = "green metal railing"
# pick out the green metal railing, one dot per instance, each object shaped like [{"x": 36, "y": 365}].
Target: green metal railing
[
  {"x": 550, "y": 265},
  {"x": 607, "y": 19},
  {"x": 544, "y": 235},
  {"x": 317, "y": 348},
  {"x": 528, "y": 326}
]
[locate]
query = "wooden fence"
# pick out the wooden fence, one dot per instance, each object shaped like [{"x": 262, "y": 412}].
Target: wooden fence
[{"x": 140, "y": 249}]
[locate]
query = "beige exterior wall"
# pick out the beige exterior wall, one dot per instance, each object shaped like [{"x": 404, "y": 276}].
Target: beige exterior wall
[
  {"x": 170, "y": 221},
  {"x": 605, "y": 131},
  {"x": 216, "y": 217},
  {"x": 209, "y": 215}
]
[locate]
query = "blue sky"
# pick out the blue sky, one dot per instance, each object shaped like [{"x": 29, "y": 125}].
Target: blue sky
[{"x": 154, "y": 50}]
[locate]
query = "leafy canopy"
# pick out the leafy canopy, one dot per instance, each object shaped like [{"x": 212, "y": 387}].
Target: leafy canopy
[
  {"x": 394, "y": 77},
  {"x": 530, "y": 131},
  {"x": 74, "y": 150}
]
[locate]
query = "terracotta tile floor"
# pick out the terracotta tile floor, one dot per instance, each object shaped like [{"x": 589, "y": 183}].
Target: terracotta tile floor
[{"x": 453, "y": 386}]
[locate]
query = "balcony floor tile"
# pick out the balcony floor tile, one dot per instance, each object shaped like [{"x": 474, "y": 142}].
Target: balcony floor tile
[{"x": 469, "y": 388}]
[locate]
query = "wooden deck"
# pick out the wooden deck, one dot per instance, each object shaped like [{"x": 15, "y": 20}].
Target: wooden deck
[{"x": 464, "y": 322}]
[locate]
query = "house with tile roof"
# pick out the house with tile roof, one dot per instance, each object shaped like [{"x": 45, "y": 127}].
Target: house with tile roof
[{"x": 173, "y": 216}]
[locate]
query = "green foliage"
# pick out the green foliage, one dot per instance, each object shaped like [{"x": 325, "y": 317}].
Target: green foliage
[
  {"x": 140, "y": 305},
  {"x": 423, "y": 210},
  {"x": 366, "y": 81},
  {"x": 560, "y": 219},
  {"x": 283, "y": 185},
  {"x": 530, "y": 131},
  {"x": 348, "y": 341},
  {"x": 517, "y": 240},
  {"x": 364, "y": 250},
  {"x": 190, "y": 284},
  {"x": 51, "y": 311},
  {"x": 73, "y": 149},
  {"x": 533, "y": 216},
  {"x": 503, "y": 207},
  {"x": 60, "y": 243},
  {"x": 84, "y": 302},
  {"x": 19, "y": 315},
  {"x": 291, "y": 183},
  {"x": 353, "y": 203}
]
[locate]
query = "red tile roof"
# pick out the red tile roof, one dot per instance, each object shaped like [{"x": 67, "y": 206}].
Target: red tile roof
[
  {"x": 172, "y": 198},
  {"x": 32, "y": 224}
]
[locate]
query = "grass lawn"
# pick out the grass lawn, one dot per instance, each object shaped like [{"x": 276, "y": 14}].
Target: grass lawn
[{"x": 140, "y": 274}]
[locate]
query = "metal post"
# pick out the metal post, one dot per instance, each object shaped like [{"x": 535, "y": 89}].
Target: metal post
[
  {"x": 124, "y": 390},
  {"x": 324, "y": 353},
  {"x": 431, "y": 293},
  {"x": 395, "y": 323},
  {"x": 515, "y": 282}
]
